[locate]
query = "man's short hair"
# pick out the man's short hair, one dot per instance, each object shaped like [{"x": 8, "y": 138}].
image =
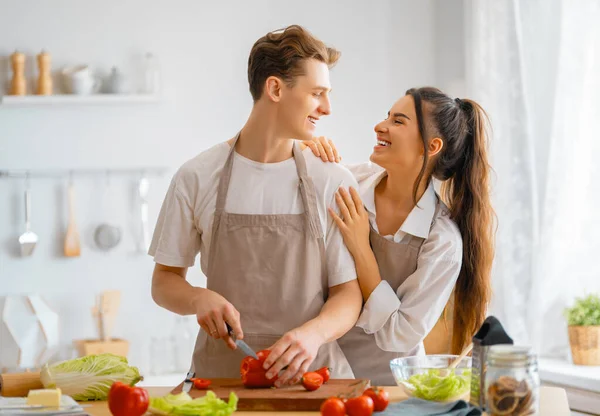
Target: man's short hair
[{"x": 282, "y": 53}]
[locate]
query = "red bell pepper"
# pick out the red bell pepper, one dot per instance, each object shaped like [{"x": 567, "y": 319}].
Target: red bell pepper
[
  {"x": 126, "y": 400},
  {"x": 253, "y": 373}
]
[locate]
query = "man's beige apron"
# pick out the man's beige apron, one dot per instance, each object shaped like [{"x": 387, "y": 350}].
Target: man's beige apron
[
  {"x": 396, "y": 261},
  {"x": 272, "y": 269}
]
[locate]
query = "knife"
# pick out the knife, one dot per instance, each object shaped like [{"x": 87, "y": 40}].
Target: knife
[
  {"x": 187, "y": 383},
  {"x": 241, "y": 344}
]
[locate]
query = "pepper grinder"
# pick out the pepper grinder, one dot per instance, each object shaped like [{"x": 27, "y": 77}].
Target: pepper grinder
[
  {"x": 18, "y": 85},
  {"x": 44, "y": 86}
]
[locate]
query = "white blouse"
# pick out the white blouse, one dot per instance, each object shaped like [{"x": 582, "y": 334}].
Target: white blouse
[{"x": 401, "y": 318}]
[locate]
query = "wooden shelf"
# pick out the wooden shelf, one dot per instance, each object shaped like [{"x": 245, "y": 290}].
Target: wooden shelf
[{"x": 70, "y": 99}]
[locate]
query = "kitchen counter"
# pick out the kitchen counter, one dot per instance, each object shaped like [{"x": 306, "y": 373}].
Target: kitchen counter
[{"x": 553, "y": 402}]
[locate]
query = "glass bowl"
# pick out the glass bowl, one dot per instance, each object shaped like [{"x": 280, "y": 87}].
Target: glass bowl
[{"x": 428, "y": 377}]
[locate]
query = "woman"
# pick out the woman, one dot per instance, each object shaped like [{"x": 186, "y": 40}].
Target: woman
[{"x": 412, "y": 251}]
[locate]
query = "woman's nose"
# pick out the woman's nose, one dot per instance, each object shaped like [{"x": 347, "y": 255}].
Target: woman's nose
[{"x": 379, "y": 127}]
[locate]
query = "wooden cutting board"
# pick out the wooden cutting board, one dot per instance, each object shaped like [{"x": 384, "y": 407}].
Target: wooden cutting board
[{"x": 283, "y": 399}]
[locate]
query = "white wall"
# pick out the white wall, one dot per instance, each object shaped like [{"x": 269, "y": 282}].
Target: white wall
[
  {"x": 387, "y": 47},
  {"x": 450, "y": 47}
]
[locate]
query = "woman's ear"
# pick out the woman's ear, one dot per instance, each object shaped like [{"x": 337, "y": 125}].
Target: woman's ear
[
  {"x": 435, "y": 146},
  {"x": 273, "y": 88}
]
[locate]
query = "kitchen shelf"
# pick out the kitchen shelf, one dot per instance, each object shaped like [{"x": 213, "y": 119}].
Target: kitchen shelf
[
  {"x": 68, "y": 99},
  {"x": 70, "y": 173}
]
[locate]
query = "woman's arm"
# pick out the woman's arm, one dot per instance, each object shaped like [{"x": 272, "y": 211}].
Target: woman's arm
[
  {"x": 400, "y": 319},
  {"x": 354, "y": 227}
]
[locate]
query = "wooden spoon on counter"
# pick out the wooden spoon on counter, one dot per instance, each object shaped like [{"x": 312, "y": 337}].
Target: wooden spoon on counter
[{"x": 72, "y": 244}]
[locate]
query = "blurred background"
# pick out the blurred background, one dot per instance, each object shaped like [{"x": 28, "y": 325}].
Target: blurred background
[{"x": 166, "y": 80}]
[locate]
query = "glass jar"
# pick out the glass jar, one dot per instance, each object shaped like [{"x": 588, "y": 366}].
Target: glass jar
[{"x": 512, "y": 382}]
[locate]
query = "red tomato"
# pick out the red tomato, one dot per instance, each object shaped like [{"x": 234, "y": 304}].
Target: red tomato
[
  {"x": 201, "y": 383},
  {"x": 381, "y": 398},
  {"x": 333, "y": 406},
  {"x": 312, "y": 381},
  {"x": 360, "y": 406},
  {"x": 325, "y": 373}
]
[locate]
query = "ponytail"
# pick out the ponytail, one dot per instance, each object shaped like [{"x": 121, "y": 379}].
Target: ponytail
[
  {"x": 468, "y": 195},
  {"x": 464, "y": 170}
]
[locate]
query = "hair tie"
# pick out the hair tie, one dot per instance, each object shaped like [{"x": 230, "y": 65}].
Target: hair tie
[{"x": 459, "y": 101}]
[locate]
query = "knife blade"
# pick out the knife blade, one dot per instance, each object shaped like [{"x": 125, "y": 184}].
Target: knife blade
[
  {"x": 187, "y": 383},
  {"x": 241, "y": 344}
]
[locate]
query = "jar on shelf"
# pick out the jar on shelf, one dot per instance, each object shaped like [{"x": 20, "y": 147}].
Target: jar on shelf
[
  {"x": 512, "y": 381},
  {"x": 151, "y": 78}
]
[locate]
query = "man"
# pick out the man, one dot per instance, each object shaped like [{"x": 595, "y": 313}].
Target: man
[{"x": 255, "y": 208}]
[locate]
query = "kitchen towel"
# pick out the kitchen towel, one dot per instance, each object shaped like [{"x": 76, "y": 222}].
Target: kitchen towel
[{"x": 419, "y": 407}]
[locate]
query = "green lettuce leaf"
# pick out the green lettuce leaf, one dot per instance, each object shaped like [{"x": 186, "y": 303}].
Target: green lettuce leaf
[
  {"x": 183, "y": 405},
  {"x": 437, "y": 386}
]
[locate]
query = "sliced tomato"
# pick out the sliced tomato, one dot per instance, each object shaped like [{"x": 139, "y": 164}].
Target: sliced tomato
[
  {"x": 325, "y": 372},
  {"x": 201, "y": 383},
  {"x": 312, "y": 381}
]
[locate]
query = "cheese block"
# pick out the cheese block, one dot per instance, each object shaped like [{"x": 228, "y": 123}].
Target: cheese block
[{"x": 44, "y": 397}]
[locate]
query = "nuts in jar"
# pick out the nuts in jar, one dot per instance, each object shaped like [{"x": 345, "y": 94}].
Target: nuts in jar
[
  {"x": 507, "y": 396},
  {"x": 512, "y": 381}
]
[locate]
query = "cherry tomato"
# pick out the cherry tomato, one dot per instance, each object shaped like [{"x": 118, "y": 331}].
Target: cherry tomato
[
  {"x": 325, "y": 373},
  {"x": 312, "y": 381},
  {"x": 333, "y": 406},
  {"x": 380, "y": 397},
  {"x": 360, "y": 406}
]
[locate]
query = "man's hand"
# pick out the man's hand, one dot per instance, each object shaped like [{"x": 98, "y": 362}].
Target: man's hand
[
  {"x": 212, "y": 311},
  {"x": 293, "y": 353}
]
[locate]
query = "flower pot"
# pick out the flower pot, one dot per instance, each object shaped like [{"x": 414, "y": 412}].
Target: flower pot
[{"x": 585, "y": 344}]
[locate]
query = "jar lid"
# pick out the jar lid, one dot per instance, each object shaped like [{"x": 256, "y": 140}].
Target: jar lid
[{"x": 511, "y": 356}]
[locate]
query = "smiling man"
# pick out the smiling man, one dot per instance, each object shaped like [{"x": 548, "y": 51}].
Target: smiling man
[{"x": 255, "y": 208}]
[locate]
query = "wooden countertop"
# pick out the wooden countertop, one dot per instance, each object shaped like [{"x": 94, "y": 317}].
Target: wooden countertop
[{"x": 553, "y": 402}]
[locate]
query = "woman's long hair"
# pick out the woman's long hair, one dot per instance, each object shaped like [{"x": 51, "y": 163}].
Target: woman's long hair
[{"x": 463, "y": 168}]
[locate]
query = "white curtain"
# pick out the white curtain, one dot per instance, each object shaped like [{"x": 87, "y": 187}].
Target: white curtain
[{"x": 535, "y": 67}]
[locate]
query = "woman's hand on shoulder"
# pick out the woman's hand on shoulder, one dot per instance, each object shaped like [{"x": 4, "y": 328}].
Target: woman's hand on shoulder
[{"x": 322, "y": 147}]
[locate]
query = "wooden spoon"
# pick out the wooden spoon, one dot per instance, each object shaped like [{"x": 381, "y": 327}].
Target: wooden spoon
[
  {"x": 72, "y": 245},
  {"x": 109, "y": 306},
  {"x": 457, "y": 360}
]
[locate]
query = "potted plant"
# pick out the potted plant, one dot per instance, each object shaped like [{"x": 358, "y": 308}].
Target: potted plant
[{"x": 583, "y": 319}]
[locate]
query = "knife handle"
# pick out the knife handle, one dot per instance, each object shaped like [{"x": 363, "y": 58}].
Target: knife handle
[{"x": 229, "y": 329}]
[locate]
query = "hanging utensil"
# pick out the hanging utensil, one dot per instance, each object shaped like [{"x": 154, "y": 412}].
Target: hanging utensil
[
  {"x": 28, "y": 239},
  {"x": 72, "y": 245},
  {"x": 107, "y": 236},
  {"x": 143, "y": 187}
]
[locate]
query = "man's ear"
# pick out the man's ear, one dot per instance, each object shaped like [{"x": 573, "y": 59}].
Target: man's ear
[
  {"x": 435, "y": 146},
  {"x": 274, "y": 88}
]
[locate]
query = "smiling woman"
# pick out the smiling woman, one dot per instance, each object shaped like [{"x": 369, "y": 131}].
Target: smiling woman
[{"x": 418, "y": 253}]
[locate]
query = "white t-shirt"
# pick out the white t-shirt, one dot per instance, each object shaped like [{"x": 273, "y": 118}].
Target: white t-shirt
[{"x": 185, "y": 221}]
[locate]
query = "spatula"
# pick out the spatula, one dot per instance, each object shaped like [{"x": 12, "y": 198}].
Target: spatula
[
  {"x": 72, "y": 245},
  {"x": 28, "y": 239}
]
